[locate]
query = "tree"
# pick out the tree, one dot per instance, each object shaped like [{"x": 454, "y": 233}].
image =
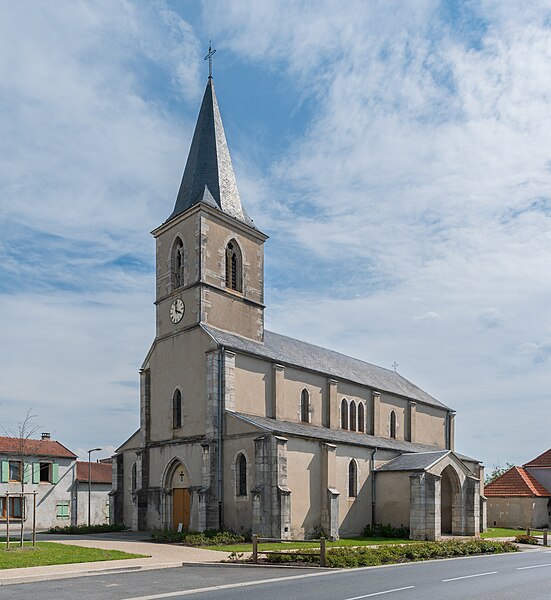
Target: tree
[
  {"x": 497, "y": 471},
  {"x": 24, "y": 452}
]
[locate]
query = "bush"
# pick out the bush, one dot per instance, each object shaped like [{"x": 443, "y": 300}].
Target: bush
[
  {"x": 527, "y": 539},
  {"x": 82, "y": 529},
  {"x": 366, "y": 556},
  {"x": 386, "y": 531},
  {"x": 209, "y": 537}
]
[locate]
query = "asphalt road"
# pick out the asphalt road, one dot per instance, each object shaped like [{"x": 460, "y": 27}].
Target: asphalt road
[{"x": 524, "y": 575}]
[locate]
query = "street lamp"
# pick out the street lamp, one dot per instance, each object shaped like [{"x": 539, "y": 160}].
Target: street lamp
[{"x": 90, "y": 485}]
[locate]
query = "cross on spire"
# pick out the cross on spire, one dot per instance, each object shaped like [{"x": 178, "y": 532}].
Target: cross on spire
[
  {"x": 395, "y": 366},
  {"x": 209, "y": 58}
]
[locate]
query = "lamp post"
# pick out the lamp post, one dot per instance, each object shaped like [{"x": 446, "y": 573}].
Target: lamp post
[{"x": 90, "y": 485}]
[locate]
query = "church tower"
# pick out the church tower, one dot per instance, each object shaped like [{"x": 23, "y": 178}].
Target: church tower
[{"x": 210, "y": 255}]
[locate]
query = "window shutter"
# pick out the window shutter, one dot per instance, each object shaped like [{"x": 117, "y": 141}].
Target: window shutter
[
  {"x": 5, "y": 471},
  {"x": 55, "y": 473},
  {"x": 66, "y": 510},
  {"x": 36, "y": 472},
  {"x": 26, "y": 472}
]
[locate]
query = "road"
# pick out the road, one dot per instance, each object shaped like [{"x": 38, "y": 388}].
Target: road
[{"x": 524, "y": 575}]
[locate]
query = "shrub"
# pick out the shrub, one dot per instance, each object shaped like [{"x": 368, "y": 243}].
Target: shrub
[
  {"x": 386, "y": 531},
  {"x": 209, "y": 537},
  {"x": 527, "y": 539},
  {"x": 83, "y": 529}
]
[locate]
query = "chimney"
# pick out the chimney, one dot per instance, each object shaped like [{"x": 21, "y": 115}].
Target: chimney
[{"x": 45, "y": 436}]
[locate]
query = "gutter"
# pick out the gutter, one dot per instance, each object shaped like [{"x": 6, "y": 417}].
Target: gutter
[
  {"x": 220, "y": 487},
  {"x": 372, "y": 469}
]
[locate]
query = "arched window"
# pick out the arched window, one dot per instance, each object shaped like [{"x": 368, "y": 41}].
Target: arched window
[
  {"x": 134, "y": 477},
  {"x": 234, "y": 277},
  {"x": 352, "y": 416},
  {"x": 393, "y": 424},
  {"x": 352, "y": 479},
  {"x": 344, "y": 414},
  {"x": 177, "y": 262},
  {"x": 241, "y": 475},
  {"x": 177, "y": 409},
  {"x": 361, "y": 417},
  {"x": 305, "y": 406}
]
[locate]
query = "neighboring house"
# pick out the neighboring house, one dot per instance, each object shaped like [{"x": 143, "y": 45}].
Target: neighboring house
[
  {"x": 50, "y": 470},
  {"x": 521, "y": 497},
  {"x": 246, "y": 429}
]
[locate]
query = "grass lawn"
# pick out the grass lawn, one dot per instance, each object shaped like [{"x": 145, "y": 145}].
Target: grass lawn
[
  {"x": 359, "y": 541},
  {"x": 494, "y": 532},
  {"x": 50, "y": 553}
]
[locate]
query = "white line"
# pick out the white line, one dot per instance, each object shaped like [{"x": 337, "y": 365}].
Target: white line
[
  {"x": 534, "y": 567},
  {"x": 409, "y": 587},
  {"x": 469, "y": 576}
]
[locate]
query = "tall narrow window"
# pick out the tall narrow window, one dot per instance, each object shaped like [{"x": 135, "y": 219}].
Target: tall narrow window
[
  {"x": 233, "y": 267},
  {"x": 177, "y": 409},
  {"x": 134, "y": 477},
  {"x": 352, "y": 416},
  {"x": 352, "y": 479},
  {"x": 344, "y": 414},
  {"x": 177, "y": 261},
  {"x": 361, "y": 417},
  {"x": 241, "y": 475},
  {"x": 305, "y": 406},
  {"x": 393, "y": 424}
]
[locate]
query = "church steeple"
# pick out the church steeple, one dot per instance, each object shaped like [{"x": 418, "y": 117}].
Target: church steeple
[{"x": 208, "y": 176}]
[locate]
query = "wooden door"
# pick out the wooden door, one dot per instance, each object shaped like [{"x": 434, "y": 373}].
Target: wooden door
[{"x": 180, "y": 508}]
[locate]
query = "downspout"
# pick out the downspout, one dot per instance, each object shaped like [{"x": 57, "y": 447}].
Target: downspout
[
  {"x": 220, "y": 487},
  {"x": 372, "y": 470}
]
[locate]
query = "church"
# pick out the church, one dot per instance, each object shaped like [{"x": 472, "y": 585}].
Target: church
[{"x": 248, "y": 430}]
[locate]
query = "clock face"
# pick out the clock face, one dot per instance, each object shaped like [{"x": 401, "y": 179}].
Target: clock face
[{"x": 177, "y": 309}]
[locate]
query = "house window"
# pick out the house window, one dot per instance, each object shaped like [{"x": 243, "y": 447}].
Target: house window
[
  {"x": 241, "y": 474},
  {"x": 393, "y": 425},
  {"x": 15, "y": 470},
  {"x": 353, "y": 416},
  {"x": 233, "y": 267},
  {"x": 361, "y": 417},
  {"x": 15, "y": 507},
  {"x": 45, "y": 472},
  {"x": 177, "y": 260},
  {"x": 62, "y": 510},
  {"x": 305, "y": 406},
  {"x": 352, "y": 479},
  {"x": 344, "y": 414},
  {"x": 177, "y": 409}
]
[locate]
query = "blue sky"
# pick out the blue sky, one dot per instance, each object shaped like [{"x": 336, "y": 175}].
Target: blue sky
[{"x": 397, "y": 154}]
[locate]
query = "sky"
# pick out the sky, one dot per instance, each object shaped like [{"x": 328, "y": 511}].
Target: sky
[{"x": 397, "y": 154}]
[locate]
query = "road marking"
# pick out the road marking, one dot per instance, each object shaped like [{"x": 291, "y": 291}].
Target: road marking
[
  {"x": 409, "y": 587},
  {"x": 469, "y": 576},
  {"x": 112, "y": 585},
  {"x": 534, "y": 567}
]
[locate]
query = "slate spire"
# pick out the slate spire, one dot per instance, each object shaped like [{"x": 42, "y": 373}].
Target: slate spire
[{"x": 208, "y": 176}]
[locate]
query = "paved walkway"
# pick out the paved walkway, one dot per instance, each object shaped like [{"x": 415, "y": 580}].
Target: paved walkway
[{"x": 159, "y": 556}]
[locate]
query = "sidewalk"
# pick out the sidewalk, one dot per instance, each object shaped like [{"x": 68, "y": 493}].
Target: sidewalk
[{"x": 160, "y": 556}]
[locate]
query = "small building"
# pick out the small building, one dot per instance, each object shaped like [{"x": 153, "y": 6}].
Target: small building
[
  {"x": 521, "y": 497},
  {"x": 47, "y": 468}
]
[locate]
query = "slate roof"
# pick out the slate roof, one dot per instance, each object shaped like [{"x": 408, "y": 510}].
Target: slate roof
[
  {"x": 417, "y": 461},
  {"x": 50, "y": 448},
  {"x": 290, "y": 351},
  {"x": 338, "y": 435},
  {"x": 208, "y": 175},
  {"x": 543, "y": 461},
  {"x": 516, "y": 483},
  {"x": 100, "y": 472}
]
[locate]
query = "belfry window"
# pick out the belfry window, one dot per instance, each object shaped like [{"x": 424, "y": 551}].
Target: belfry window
[
  {"x": 352, "y": 416},
  {"x": 305, "y": 406},
  {"x": 234, "y": 267},
  {"x": 177, "y": 409},
  {"x": 352, "y": 479},
  {"x": 344, "y": 414},
  {"x": 241, "y": 475},
  {"x": 177, "y": 263},
  {"x": 393, "y": 425},
  {"x": 361, "y": 417}
]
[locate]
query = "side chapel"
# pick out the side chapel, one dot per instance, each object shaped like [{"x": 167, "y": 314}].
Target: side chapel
[{"x": 245, "y": 429}]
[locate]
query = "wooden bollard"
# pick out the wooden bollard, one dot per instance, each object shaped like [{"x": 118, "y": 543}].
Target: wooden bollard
[
  {"x": 322, "y": 552},
  {"x": 255, "y": 548},
  {"x": 545, "y": 536}
]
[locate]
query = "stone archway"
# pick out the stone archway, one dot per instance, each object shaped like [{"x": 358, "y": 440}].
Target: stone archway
[
  {"x": 451, "y": 505},
  {"x": 177, "y": 493}
]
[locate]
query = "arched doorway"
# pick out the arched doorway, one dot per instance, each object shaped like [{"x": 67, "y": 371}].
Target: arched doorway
[
  {"x": 450, "y": 501},
  {"x": 177, "y": 481}
]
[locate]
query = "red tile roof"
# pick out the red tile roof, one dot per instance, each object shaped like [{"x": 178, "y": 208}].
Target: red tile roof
[
  {"x": 541, "y": 461},
  {"x": 11, "y": 445},
  {"x": 516, "y": 482},
  {"x": 100, "y": 472}
]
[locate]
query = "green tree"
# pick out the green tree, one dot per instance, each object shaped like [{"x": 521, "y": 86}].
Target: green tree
[{"x": 497, "y": 471}]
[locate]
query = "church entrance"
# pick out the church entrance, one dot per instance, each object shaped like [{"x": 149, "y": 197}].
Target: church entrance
[
  {"x": 450, "y": 499},
  {"x": 180, "y": 509}
]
